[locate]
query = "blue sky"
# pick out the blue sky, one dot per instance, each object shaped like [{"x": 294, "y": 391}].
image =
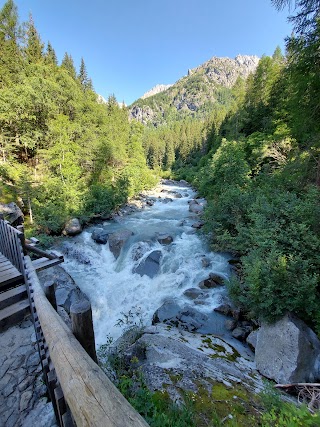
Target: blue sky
[{"x": 130, "y": 46}]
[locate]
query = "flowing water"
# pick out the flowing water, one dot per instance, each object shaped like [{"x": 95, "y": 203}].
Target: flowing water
[{"x": 117, "y": 293}]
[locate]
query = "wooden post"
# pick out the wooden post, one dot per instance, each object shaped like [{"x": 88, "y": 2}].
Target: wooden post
[
  {"x": 92, "y": 398},
  {"x": 82, "y": 326},
  {"x": 50, "y": 292},
  {"x": 22, "y": 238}
]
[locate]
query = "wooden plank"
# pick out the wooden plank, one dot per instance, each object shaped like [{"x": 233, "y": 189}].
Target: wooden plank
[
  {"x": 14, "y": 313},
  {"x": 12, "y": 296},
  {"x": 11, "y": 276},
  {"x": 90, "y": 395},
  {"x": 43, "y": 263}
]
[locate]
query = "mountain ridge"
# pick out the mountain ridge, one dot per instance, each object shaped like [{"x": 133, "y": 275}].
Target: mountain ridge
[{"x": 194, "y": 94}]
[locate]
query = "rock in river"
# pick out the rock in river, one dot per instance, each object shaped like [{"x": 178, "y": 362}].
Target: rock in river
[
  {"x": 100, "y": 235},
  {"x": 150, "y": 266},
  {"x": 117, "y": 241}
]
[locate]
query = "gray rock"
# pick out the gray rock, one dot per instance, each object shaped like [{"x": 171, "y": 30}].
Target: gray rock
[
  {"x": 194, "y": 207},
  {"x": 186, "y": 318},
  {"x": 167, "y": 200},
  {"x": 73, "y": 250},
  {"x": 212, "y": 281},
  {"x": 193, "y": 293},
  {"x": 164, "y": 239},
  {"x": 139, "y": 249},
  {"x": 252, "y": 339},
  {"x": 288, "y": 351},
  {"x": 149, "y": 266},
  {"x": 225, "y": 309},
  {"x": 167, "y": 311},
  {"x": 12, "y": 213},
  {"x": 230, "y": 324},
  {"x": 117, "y": 241},
  {"x": 25, "y": 399},
  {"x": 198, "y": 225},
  {"x": 42, "y": 415},
  {"x": 240, "y": 333},
  {"x": 72, "y": 227},
  {"x": 67, "y": 291},
  {"x": 205, "y": 262},
  {"x": 100, "y": 235}
]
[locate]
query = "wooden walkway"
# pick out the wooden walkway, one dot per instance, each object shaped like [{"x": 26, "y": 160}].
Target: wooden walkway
[{"x": 80, "y": 392}]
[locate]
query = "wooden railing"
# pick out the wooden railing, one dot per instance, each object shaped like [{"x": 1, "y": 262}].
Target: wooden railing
[
  {"x": 11, "y": 245},
  {"x": 92, "y": 398}
]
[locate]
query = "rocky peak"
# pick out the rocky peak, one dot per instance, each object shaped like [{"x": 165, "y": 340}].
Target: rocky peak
[{"x": 156, "y": 89}]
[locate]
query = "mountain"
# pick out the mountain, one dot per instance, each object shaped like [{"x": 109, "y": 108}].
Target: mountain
[
  {"x": 156, "y": 89},
  {"x": 194, "y": 95}
]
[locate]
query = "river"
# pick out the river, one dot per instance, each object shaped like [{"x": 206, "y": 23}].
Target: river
[{"x": 120, "y": 297}]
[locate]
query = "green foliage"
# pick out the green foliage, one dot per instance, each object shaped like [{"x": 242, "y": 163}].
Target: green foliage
[{"x": 61, "y": 150}]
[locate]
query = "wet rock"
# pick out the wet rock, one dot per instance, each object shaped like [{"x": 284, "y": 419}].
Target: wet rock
[
  {"x": 288, "y": 351},
  {"x": 193, "y": 293},
  {"x": 100, "y": 235},
  {"x": 150, "y": 266},
  {"x": 12, "y": 213},
  {"x": 76, "y": 252},
  {"x": 167, "y": 200},
  {"x": 213, "y": 281},
  {"x": 72, "y": 227},
  {"x": 225, "y": 309},
  {"x": 117, "y": 241},
  {"x": 194, "y": 207},
  {"x": 186, "y": 318},
  {"x": 164, "y": 239},
  {"x": 230, "y": 324},
  {"x": 139, "y": 249},
  {"x": 205, "y": 262},
  {"x": 241, "y": 333},
  {"x": 197, "y": 225},
  {"x": 252, "y": 339}
]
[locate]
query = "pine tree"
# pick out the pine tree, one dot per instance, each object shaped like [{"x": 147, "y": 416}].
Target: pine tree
[
  {"x": 11, "y": 60},
  {"x": 50, "y": 56},
  {"x": 34, "y": 47},
  {"x": 85, "y": 81},
  {"x": 68, "y": 64}
]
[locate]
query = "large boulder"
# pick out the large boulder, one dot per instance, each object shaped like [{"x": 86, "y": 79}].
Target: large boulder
[
  {"x": 117, "y": 241},
  {"x": 99, "y": 235},
  {"x": 288, "y": 351},
  {"x": 12, "y": 213},
  {"x": 149, "y": 266},
  {"x": 72, "y": 227}
]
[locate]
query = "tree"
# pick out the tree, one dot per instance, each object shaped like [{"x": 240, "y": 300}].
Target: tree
[
  {"x": 50, "y": 55},
  {"x": 85, "y": 81},
  {"x": 68, "y": 64},
  {"x": 11, "y": 60},
  {"x": 34, "y": 47},
  {"x": 307, "y": 13}
]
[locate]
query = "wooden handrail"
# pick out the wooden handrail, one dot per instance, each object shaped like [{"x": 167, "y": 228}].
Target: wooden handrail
[
  {"x": 90, "y": 395},
  {"x": 11, "y": 245}
]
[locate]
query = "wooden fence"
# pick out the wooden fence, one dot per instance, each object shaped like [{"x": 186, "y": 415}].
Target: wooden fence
[
  {"x": 11, "y": 245},
  {"x": 92, "y": 398}
]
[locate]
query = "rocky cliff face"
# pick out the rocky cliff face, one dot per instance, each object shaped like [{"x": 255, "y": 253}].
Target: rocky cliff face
[
  {"x": 156, "y": 89},
  {"x": 194, "y": 94}
]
